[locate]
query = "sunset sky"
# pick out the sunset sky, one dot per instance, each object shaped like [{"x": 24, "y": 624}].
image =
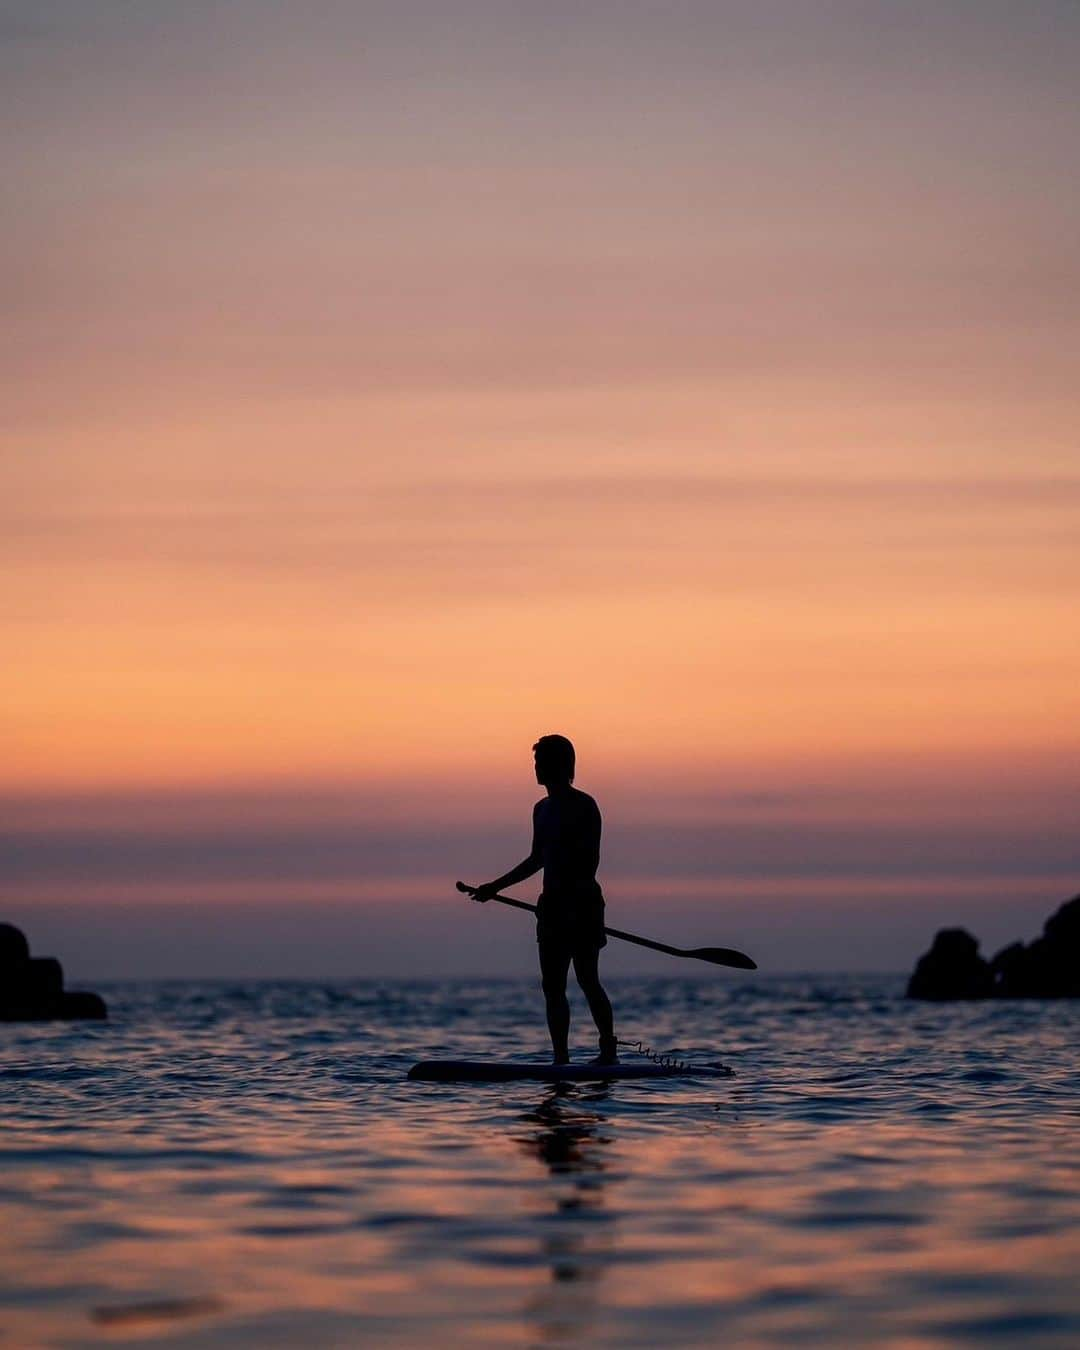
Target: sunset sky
[{"x": 385, "y": 385}]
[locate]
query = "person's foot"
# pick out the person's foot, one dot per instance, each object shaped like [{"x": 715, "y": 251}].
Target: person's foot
[
  {"x": 560, "y": 1057},
  {"x": 609, "y": 1052}
]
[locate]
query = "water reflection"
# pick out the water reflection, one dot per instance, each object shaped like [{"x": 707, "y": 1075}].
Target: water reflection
[{"x": 573, "y": 1222}]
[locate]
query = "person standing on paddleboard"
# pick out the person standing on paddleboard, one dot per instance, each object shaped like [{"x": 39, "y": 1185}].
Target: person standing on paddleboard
[{"x": 570, "y": 911}]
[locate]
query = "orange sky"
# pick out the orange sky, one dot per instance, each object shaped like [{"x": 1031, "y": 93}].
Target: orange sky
[{"x": 388, "y": 387}]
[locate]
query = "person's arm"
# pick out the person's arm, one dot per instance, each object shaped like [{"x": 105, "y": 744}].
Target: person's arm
[{"x": 528, "y": 867}]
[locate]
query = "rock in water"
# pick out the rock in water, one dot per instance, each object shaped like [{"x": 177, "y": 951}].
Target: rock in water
[
  {"x": 1049, "y": 967},
  {"x": 1009, "y": 970},
  {"x": 13, "y": 947},
  {"x": 82, "y": 1004},
  {"x": 952, "y": 968},
  {"x": 32, "y": 988}
]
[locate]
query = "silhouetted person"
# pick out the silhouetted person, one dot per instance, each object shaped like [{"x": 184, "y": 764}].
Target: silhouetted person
[{"x": 570, "y": 911}]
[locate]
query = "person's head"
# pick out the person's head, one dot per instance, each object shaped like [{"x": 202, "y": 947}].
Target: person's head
[{"x": 554, "y": 760}]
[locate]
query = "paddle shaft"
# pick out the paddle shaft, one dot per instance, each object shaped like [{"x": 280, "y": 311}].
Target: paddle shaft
[
  {"x": 739, "y": 960},
  {"x": 611, "y": 932}
]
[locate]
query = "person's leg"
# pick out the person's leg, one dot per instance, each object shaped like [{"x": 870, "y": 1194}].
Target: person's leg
[
  {"x": 586, "y": 968},
  {"x": 554, "y": 965}
]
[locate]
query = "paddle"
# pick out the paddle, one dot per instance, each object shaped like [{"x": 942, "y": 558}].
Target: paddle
[{"x": 717, "y": 956}]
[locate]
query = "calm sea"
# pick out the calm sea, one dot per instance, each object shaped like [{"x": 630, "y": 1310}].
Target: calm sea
[{"x": 226, "y": 1165}]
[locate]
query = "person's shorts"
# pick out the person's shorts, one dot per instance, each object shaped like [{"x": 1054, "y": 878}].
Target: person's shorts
[{"x": 573, "y": 923}]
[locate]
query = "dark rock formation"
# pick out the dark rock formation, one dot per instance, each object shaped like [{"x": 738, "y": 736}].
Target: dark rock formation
[
  {"x": 952, "y": 968},
  {"x": 13, "y": 946},
  {"x": 32, "y": 988},
  {"x": 1049, "y": 967},
  {"x": 1009, "y": 969}
]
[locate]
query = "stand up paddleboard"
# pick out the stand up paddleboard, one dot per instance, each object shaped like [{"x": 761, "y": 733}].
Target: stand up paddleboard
[{"x": 479, "y": 1071}]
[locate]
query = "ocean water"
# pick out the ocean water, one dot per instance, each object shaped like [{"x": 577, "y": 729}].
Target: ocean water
[{"x": 246, "y": 1165}]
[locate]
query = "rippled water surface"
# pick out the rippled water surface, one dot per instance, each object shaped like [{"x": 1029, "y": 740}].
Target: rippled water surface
[{"x": 247, "y": 1166}]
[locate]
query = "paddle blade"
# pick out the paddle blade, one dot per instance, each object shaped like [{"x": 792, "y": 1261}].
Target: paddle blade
[{"x": 723, "y": 956}]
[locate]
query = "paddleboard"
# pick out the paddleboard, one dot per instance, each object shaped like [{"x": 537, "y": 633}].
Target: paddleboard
[{"x": 508, "y": 1071}]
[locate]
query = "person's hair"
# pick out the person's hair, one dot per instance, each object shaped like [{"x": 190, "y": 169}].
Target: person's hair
[{"x": 556, "y": 752}]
